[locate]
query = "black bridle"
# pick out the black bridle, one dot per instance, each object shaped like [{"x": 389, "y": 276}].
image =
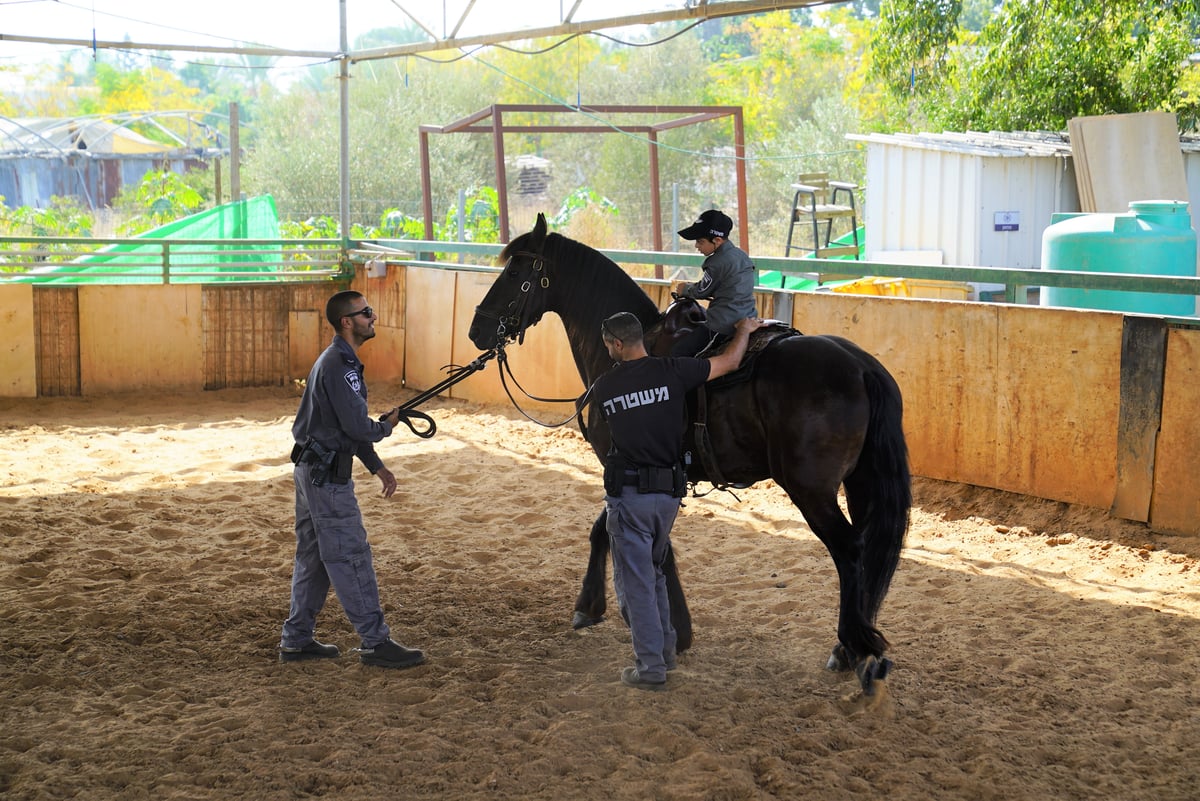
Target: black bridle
[
  {"x": 516, "y": 316},
  {"x": 515, "y": 319}
]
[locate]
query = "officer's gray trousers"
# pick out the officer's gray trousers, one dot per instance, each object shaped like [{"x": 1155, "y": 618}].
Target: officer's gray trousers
[
  {"x": 331, "y": 549},
  {"x": 639, "y": 530}
]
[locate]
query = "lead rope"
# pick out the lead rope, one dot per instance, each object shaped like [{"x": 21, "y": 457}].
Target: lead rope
[{"x": 408, "y": 409}]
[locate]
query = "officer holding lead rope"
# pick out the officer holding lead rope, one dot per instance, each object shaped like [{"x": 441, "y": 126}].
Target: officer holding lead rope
[{"x": 332, "y": 427}]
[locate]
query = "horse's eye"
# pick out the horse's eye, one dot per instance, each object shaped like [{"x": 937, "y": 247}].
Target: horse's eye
[{"x": 512, "y": 272}]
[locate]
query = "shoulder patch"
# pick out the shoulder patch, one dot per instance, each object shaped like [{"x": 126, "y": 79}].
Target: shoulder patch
[{"x": 353, "y": 379}]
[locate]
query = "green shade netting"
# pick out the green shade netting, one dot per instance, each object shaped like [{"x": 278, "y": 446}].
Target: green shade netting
[{"x": 134, "y": 263}]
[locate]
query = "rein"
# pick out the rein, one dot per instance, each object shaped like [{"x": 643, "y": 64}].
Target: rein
[{"x": 580, "y": 402}]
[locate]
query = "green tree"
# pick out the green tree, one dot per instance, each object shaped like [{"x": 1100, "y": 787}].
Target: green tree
[
  {"x": 149, "y": 89},
  {"x": 1035, "y": 65},
  {"x": 295, "y": 155},
  {"x": 912, "y": 42},
  {"x": 976, "y": 13},
  {"x": 789, "y": 68},
  {"x": 224, "y": 81}
]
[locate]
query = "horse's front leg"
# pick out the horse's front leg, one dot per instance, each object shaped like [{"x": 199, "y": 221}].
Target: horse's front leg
[
  {"x": 681, "y": 616},
  {"x": 591, "y": 604}
]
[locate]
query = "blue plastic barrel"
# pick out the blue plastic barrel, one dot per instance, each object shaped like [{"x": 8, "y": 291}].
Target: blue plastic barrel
[{"x": 1154, "y": 238}]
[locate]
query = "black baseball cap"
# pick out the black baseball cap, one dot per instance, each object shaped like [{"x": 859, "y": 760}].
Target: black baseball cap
[{"x": 711, "y": 223}]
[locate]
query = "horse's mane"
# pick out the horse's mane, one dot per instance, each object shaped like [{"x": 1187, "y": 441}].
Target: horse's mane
[
  {"x": 591, "y": 279},
  {"x": 587, "y": 287}
]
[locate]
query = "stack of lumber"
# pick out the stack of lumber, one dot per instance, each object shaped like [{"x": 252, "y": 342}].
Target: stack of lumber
[{"x": 1126, "y": 157}]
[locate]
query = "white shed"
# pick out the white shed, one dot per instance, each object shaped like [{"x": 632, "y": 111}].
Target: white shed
[
  {"x": 948, "y": 193},
  {"x": 973, "y": 199}
]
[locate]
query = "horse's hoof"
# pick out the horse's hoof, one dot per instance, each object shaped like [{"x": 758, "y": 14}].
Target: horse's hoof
[
  {"x": 839, "y": 660},
  {"x": 582, "y": 621},
  {"x": 871, "y": 670}
]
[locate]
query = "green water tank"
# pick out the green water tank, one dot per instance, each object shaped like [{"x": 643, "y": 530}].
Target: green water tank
[{"x": 1154, "y": 238}]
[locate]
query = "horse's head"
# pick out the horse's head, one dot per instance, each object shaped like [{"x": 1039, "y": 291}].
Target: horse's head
[{"x": 517, "y": 299}]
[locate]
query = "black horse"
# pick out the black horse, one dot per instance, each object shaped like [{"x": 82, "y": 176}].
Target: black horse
[{"x": 816, "y": 413}]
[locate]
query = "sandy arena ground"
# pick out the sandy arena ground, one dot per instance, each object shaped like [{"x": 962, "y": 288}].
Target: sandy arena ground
[{"x": 1042, "y": 651}]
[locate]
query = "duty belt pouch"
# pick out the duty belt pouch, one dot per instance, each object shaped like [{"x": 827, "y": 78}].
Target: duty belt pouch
[
  {"x": 656, "y": 479},
  {"x": 614, "y": 477},
  {"x": 678, "y": 481},
  {"x": 320, "y": 459},
  {"x": 343, "y": 464}
]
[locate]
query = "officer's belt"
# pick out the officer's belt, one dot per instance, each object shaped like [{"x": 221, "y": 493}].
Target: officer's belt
[
  {"x": 327, "y": 465},
  {"x": 653, "y": 479}
]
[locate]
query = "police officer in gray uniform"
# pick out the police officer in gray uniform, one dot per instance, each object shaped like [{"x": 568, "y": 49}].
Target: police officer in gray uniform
[
  {"x": 727, "y": 283},
  {"x": 333, "y": 426},
  {"x": 643, "y": 400}
]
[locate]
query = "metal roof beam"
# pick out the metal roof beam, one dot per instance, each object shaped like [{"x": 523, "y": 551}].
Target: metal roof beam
[
  {"x": 703, "y": 11},
  {"x": 191, "y": 48},
  {"x": 700, "y": 11},
  {"x": 462, "y": 19}
]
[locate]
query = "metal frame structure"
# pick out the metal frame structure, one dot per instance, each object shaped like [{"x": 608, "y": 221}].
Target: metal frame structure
[
  {"x": 696, "y": 10},
  {"x": 491, "y": 121}
]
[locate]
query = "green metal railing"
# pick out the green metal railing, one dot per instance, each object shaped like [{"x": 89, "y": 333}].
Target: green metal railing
[
  {"x": 79, "y": 261},
  {"x": 74, "y": 261},
  {"x": 1014, "y": 281}
]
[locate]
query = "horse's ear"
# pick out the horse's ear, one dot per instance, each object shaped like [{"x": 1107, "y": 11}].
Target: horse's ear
[{"x": 540, "y": 227}]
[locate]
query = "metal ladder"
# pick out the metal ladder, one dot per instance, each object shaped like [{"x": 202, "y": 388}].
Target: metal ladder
[{"x": 816, "y": 203}]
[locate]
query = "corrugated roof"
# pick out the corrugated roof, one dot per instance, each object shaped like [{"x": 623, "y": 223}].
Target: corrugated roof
[
  {"x": 991, "y": 143},
  {"x": 995, "y": 143},
  {"x": 53, "y": 135}
]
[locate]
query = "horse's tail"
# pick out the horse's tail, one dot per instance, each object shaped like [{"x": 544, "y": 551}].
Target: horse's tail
[{"x": 879, "y": 491}]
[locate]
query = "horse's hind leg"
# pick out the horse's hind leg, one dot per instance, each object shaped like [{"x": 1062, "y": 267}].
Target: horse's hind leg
[
  {"x": 591, "y": 603},
  {"x": 860, "y": 645}
]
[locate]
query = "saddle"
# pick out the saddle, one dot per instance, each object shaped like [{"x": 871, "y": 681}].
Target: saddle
[
  {"x": 759, "y": 340},
  {"x": 684, "y": 315},
  {"x": 680, "y": 318}
]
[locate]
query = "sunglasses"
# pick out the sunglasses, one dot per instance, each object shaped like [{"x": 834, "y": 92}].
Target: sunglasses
[{"x": 365, "y": 311}]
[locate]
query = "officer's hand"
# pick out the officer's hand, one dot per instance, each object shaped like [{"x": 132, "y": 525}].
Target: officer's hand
[
  {"x": 392, "y": 417},
  {"x": 388, "y": 480},
  {"x": 750, "y": 324}
]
